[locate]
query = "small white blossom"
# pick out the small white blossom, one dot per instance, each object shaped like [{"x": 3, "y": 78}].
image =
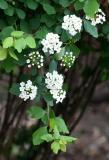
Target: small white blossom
[
  {"x": 99, "y": 18},
  {"x": 54, "y": 80},
  {"x": 54, "y": 83},
  {"x": 28, "y": 90},
  {"x": 35, "y": 58},
  {"x": 68, "y": 59},
  {"x": 58, "y": 95},
  {"x": 72, "y": 24},
  {"x": 51, "y": 43}
]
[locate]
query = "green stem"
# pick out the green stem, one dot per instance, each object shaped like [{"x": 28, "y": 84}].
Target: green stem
[{"x": 48, "y": 112}]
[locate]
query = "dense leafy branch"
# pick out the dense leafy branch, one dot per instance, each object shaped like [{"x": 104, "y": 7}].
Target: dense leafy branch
[{"x": 39, "y": 41}]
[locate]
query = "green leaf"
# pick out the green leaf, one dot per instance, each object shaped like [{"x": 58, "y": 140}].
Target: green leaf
[
  {"x": 78, "y": 5},
  {"x": 35, "y": 22},
  {"x": 8, "y": 64},
  {"x": 41, "y": 33},
  {"x": 52, "y": 66},
  {"x": 48, "y": 98},
  {"x": 47, "y": 137},
  {"x": 91, "y": 7},
  {"x": 38, "y": 134},
  {"x": 36, "y": 112},
  {"x": 56, "y": 133},
  {"x": 76, "y": 38},
  {"x": 6, "y": 32},
  {"x": 58, "y": 29},
  {"x": 20, "y": 44},
  {"x": 68, "y": 139},
  {"x": 44, "y": 119},
  {"x": 13, "y": 55},
  {"x": 55, "y": 146},
  {"x": 65, "y": 3},
  {"x": 30, "y": 41},
  {"x": 92, "y": 30},
  {"x": 74, "y": 49},
  {"x": 24, "y": 26},
  {"x": 52, "y": 123},
  {"x": 3, "y": 4},
  {"x": 49, "y": 20},
  {"x": 52, "y": 114},
  {"x": 65, "y": 36},
  {"x": 8, "y": 42},
  {"x": 22, "y": 59},
  {"x": 61, "y": 54},
  {"x": 32, "y": 4},
  {"x": 15, "y": 89},
  {"x": 17, "y": 34},
  {"x": 39, "y": 79},
  {"x": 49, "y": 9},
  {"x": 61, "y": 125},
  {"x": 3, "y": 53},
  {"x": 2, "y": 25},
  {"x": 81, "y": 0},
  {"x": 9, "y": 11},
  {"x": 63, "y": 147},
  {"x": 21, "y": 14}
]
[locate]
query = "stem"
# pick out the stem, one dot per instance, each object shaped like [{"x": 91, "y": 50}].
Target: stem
[{"x": 48, "y": 112}]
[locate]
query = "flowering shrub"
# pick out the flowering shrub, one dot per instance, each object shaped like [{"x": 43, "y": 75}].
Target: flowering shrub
[{"x": 41, "y": 37}]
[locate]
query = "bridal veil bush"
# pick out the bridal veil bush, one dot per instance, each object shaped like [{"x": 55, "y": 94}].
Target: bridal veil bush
[{"x": 39, "y": 44}]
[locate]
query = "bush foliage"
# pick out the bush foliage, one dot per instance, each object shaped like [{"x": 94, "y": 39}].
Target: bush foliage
[{"x": 24, "y": 24}]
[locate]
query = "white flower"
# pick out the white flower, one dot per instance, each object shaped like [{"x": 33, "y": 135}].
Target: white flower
[
  {"x": 28, "y": 91},
  {"x": 99, "y": 18},
  {"x": 34, "y": 58},
  {"x": 54, "y": 80},
  {"x": 58, "y": 95},
  {"x": 72, "y": 24},
  {"x": 51, "y": 43},
  {"x": 54, "y": 83}
]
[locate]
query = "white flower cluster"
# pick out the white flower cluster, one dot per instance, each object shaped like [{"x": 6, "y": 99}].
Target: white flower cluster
[
  {"x": 72, "y": 24},
  {"x": 54, "y": 80},
  {"x": 51, "y": 43},
  {"x": 54, "y": 83},
  {"x": 68, "y": 59},
  {"x": 100, "y": 18},
  {"x": 34, "y": 58},
  {"x": 28, "y": 90},
  {"x": 58, "y": 95}
]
